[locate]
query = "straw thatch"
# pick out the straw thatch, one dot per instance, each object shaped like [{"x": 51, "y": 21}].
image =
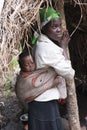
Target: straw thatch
[{"x": 16, "y": 21}]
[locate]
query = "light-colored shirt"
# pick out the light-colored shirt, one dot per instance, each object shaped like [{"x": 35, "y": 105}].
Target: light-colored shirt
[
  {"x": 1, "y": 5},
  {"x": 49, "y": 54}
]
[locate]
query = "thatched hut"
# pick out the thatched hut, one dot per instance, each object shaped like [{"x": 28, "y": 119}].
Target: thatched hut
[
  {"x": 18, "y": 17},
  {"x": 17, "y": 22}
]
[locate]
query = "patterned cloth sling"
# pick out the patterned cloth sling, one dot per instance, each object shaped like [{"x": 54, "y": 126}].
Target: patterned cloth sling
[{"x": 27, "y": 89}]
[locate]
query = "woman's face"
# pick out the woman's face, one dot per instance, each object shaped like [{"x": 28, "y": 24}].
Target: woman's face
[{"x": 54, "y": 30}]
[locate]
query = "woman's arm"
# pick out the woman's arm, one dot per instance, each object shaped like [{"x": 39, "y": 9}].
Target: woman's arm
[{"x": 64, "y": 43}]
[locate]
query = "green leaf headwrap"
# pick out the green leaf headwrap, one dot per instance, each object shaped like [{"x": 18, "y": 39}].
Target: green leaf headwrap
[{"x": 46, "y": 15}]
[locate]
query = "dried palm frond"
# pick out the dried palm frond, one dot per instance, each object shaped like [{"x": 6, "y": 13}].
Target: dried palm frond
[{"x": 16, "y": 20}]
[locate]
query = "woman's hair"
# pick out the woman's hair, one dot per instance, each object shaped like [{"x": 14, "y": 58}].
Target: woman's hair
[{"x": 44, "y": 28}]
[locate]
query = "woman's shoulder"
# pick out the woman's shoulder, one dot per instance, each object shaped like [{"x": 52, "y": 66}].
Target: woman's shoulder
[{"x": 45, "y": 43}]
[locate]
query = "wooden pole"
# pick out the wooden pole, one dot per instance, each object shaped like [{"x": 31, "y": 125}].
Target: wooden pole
[{"x": 72, "y": 107}]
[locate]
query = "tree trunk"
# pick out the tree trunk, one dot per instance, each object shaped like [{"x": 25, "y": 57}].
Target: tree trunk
[{"x": 72, "y": 107}]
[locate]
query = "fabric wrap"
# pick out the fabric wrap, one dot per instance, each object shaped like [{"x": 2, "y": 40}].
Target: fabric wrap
[{"x": 27, "y": 89}]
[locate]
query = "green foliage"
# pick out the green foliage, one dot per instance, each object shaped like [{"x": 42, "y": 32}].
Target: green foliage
[
  {"x": 7, "y": 87},
  {"x": 13, "y": 63},
  {"x": 8, "y": 94},
  {"x": 8, "y": 82}
]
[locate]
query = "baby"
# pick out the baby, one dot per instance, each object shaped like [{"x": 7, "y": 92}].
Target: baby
[
  {"x": 31, "y": 82},
  {"x": 26, "y": 64}
]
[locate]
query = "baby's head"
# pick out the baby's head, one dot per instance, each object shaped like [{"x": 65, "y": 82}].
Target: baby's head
[{"x": 26, "y": 62}]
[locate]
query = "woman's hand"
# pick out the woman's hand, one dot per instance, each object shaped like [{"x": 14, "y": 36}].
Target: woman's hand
[
  {"x": 64, "y": 43},
  {"x": 62, "y": 101},
  {"x": 65, "y": 39},
  {"x": 56, "y": 81}
]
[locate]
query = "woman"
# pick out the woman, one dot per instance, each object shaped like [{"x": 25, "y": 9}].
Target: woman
[{"x": 51, "y": 49}]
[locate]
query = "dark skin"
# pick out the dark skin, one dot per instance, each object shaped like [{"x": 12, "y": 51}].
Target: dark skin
[
  {"x": 54, "y": 30},
  {"x": 28, "y": 64}
]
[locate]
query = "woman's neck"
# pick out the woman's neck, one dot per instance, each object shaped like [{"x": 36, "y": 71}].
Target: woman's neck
[{"x": 56, "y": 42}]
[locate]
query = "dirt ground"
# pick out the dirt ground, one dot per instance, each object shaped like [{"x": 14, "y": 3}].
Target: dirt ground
[{"x": 11, "y": 109}]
